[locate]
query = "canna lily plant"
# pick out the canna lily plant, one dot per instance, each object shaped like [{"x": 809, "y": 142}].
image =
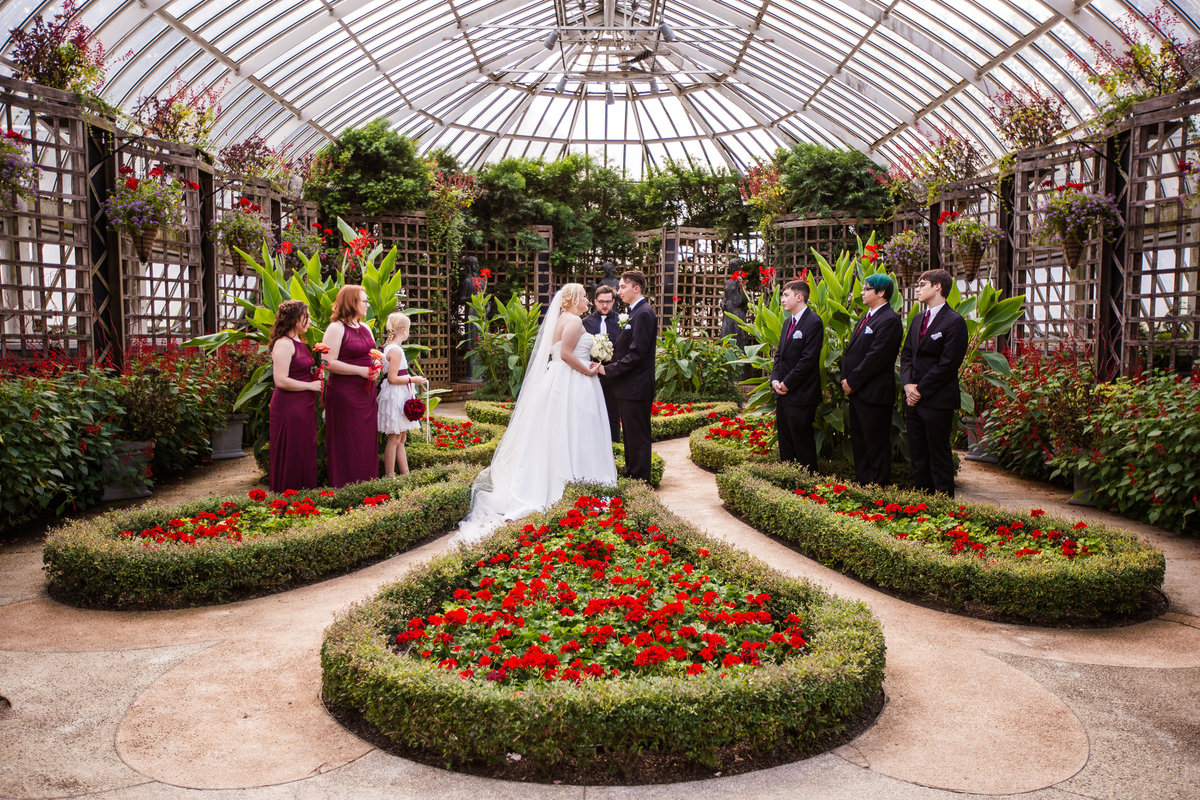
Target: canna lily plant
[{"x": 382, "y": 282}]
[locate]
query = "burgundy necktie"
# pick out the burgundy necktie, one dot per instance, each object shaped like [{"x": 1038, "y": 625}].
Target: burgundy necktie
[
  {"x": 925, "y": 323},
  {"x": 862, "y": 323},
  {"x": 791, "y": 328}
]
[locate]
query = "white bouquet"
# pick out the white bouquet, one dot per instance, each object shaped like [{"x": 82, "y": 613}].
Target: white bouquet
[{"x": 602, "y": 348}]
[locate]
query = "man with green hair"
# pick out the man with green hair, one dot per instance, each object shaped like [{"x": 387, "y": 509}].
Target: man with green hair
[{"x": 868, "y": 379}]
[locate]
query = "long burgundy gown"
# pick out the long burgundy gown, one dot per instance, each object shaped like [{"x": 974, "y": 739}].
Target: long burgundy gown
[
  {"x": 294, "y": 429},
  {"x": 351, "y": 436}
]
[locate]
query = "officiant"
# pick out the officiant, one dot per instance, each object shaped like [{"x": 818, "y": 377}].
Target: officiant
[{"x": 605, "y": 320}]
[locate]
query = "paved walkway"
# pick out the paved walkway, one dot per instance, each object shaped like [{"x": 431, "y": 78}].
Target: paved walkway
[{"x": 223, "y": 702}]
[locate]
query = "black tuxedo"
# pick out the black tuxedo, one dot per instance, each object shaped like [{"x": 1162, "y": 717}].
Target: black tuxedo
[
  {"x": 931, "y": 362},
  {"x": 591, "y": 324},
  {"x": 798, "y": 366},
  {"x": 631, "y": 377},
  {"x": 869, "y": 367}
]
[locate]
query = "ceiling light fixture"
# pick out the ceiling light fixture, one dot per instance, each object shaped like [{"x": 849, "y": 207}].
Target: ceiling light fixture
[
  {"x": 562, "y": 85},
  {"x": 665, "y": 31},
  {"x": 552, "y": 39},
  {"x": 608, "y": 95}
]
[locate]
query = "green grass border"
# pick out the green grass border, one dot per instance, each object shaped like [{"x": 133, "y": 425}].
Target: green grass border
[
  {"x": 1103, "y": 588},
  {"x": 89, "y": 564},
  {"x": 803, "y": 704}
]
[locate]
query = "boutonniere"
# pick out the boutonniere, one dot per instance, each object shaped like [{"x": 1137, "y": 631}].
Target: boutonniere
[{"x": 622, "y": 320}]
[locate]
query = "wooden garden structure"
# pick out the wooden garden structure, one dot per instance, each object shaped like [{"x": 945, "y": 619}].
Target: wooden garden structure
[{"x": 72, "y": 286}]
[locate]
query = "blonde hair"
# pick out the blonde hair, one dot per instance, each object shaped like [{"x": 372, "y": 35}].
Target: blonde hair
[
  {"x": 396, "y": 322},
  {"x": 571, "y": 294}
]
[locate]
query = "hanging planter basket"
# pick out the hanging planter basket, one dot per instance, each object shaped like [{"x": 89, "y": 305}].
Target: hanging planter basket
[
  {"x": 1072, "y": 246},
  {"x": 143, "y": 242},
  {"x": 239, "y": 263},
  {"x": 972, "y": 257}
]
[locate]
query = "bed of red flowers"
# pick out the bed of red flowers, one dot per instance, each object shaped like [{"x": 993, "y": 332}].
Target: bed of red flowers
[
  {"x": 954, "y": 532},
  {"x": 753, "y": 435},
  {"x": 236, "y": 522},
  {"x": 663, "y": 409},
  {"x": 591, "y": 599},
  {"x": 448, "y": 435}
]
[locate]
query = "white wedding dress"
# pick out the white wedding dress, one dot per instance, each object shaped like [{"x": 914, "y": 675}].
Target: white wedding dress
[{"x": 558, "y": 433}]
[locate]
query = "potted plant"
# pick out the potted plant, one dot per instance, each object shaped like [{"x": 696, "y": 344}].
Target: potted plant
[
  {"x": 18, "y": 175},
  {"x": 149, "y": 409},
  {"x": 296, "y": 240},
  {"x": 1071, "y": 432},
  {"x": 231, "y": 367},
  {"x": 60, "y": 54},
  {"x": 143, "y": 206},
  {"x": 973, "y": 378},
  {"x": 906, "y": 254},
  {"x": 970, "y": 238},
  {"x": 1070, "y": 215},
  {"x": 244, "y": 228}
]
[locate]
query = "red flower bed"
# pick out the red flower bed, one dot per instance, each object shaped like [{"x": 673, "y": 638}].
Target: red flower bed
[
  {"x": 955, "y": 532},
  {"x": 590, "y": 599},
  {"x": 658, "y": 409},
  {"x": 234, "y": 522},
  {"x": 756, "y": 436},
  {"x": 456, "y": 435}
]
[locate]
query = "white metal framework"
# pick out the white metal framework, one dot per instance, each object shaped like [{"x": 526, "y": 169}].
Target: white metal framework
[{"x": 631, "y": 81}]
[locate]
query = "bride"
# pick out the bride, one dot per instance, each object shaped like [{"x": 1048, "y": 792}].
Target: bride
[{"x": 559, "y": 429}]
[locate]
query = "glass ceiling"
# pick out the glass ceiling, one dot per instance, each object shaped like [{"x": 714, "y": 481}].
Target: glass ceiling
[{"x": 631, "y": 81}]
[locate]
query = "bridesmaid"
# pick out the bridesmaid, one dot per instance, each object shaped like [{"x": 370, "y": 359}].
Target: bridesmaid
[
  {"x": 351, "y": 437},
  {"x": 294, "y": 403}
]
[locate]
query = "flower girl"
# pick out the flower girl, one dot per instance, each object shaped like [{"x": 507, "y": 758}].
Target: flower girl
[{"x": 397, "y": 389}]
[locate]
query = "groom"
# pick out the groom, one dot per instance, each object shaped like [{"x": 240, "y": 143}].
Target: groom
[{"x": 631, "y": 373}]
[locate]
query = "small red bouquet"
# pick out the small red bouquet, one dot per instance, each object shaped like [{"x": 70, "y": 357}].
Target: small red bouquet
[{"x": 414, "y": 409}]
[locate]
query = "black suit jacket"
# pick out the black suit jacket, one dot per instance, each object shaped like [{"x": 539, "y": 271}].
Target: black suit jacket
[
  {"x": 932, "y": 361},
  {"x": 798, "y": 360},
  {"x": 869, "y": 360},
  {"x": 591, "y": 324},
  {"x": 631, "y": 372}
]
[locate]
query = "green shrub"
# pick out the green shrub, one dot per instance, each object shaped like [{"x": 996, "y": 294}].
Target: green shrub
[
  {"x": 624, "y": 725},
  {"x": 1105, "y": 586},
  {"x": 56, "y": 443},
  {"x": 661, "y": 427},
  {"x": 689, "y": 363},
  {"x": 89, "y": 563}
]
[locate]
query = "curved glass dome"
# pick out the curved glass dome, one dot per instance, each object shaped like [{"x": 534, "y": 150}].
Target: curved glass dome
[{"x": 631, "y": 81}]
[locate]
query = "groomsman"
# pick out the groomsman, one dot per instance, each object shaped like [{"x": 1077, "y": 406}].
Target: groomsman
[
  {"x": 869, "y": 380},
  {"x": 929, "y": 362},
  {"x": 605, "y": 320},
  {"x": 631, "y": 373},
  {"x": 796, "y": 377}
]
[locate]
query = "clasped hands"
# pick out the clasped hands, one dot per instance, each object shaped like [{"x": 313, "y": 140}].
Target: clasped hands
[
  {"x": 911, "y": 395},
  {"x": 780, "y": 387}
]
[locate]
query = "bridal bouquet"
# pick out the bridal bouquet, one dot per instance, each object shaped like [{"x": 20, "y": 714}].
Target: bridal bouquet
[{"x": 602, "y": 348}]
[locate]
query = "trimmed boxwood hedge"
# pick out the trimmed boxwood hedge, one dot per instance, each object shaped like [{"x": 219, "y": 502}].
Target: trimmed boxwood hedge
[
  {"x": 625, "y": 725},
  {"x": 660, "y": 427},
  {"x": 88, "y": 563},
  {"x": 1102, "y": 588}
]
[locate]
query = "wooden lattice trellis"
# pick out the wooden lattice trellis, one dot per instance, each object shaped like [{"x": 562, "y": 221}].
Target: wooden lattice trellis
[
  {"x": 977, "y": 199},
  {"x": 1162, "y": 286},
  {"x": 45, "y": 263},
  {"x": 163, "y": 298},
  {"x": 233, "y": 282},
  {"x": 796, "y": 237},
  {"x": 1061, "y": 303}
]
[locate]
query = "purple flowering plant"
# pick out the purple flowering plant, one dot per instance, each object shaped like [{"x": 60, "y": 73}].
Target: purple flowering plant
[
  {"x": 967, "y": 233},
  {"x": 18, "y": 175},
  {"x": 1072, "y": 211},
  {"x": 906, "y": 253},
  {"x": 138, "y": 204}
]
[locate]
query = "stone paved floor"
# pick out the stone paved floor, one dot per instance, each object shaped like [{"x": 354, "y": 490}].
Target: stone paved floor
[{"x": 223, "y": 701}]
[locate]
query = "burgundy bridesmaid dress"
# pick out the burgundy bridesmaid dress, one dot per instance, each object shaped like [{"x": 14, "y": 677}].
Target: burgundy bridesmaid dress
[
  {"x": 294, "y": 429},
  {"x": 351, "y": 438}
]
